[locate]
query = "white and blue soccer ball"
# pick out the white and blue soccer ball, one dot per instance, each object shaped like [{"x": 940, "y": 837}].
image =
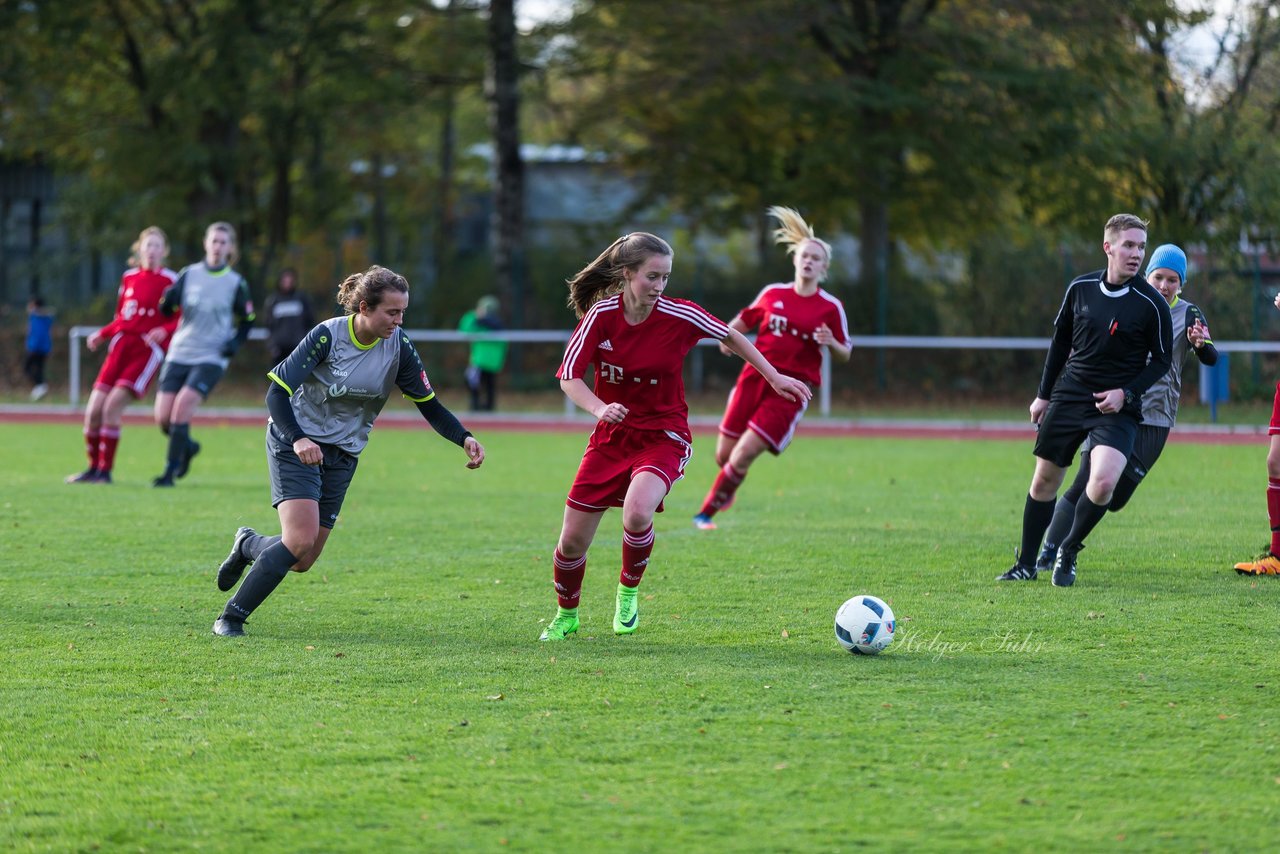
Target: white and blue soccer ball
[{"x": 864, "y": 625}]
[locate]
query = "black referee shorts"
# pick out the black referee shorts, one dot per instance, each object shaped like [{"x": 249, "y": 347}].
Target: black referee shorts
[
  {"x": 1066, "y": 424},
  {"x": 1146, "y": 450}
]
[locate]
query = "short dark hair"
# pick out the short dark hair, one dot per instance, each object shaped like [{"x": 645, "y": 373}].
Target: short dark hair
[{"x": 1122, "y": 222}]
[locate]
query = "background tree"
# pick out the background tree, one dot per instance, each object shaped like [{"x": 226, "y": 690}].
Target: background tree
[{"x": 502, "y": 87}]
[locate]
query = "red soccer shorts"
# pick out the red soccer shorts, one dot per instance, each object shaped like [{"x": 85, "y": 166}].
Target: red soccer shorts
[
  {"x": 131, "y": 362},
  {"x": 615, "y": 455},
  {"x": 755, "y": 406}
]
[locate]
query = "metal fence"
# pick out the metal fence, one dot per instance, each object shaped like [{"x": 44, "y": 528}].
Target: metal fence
[{"x": 866, "y": 343}]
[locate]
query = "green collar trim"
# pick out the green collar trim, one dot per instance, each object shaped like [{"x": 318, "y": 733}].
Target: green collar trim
[{"x": 351, "y": 328}]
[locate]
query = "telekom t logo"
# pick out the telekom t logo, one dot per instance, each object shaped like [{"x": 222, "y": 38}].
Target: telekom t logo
[
  {"x": 777, "y": 325},
  {"x": 611, "y": 373}
]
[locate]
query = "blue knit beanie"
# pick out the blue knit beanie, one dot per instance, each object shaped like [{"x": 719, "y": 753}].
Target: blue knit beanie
[{"x": 1169, "y": 257}]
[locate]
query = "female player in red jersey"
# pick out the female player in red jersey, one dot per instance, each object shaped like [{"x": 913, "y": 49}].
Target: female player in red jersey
[
  {"x": 637, "y": 338},
  {"x": 137, "y": 338},
  {"x": 796, "y": 320},
  {"x": 1268, "y": 563}
]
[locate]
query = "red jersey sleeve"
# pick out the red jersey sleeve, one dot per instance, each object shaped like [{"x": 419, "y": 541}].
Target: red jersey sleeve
[
  {"x": 838, "y": 322},
  {"x": 582, "y": 344},
  {"x": 754, "y": 314}
]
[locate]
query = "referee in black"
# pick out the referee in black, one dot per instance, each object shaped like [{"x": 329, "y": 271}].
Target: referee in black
[{"x": 1112, "y": 340}]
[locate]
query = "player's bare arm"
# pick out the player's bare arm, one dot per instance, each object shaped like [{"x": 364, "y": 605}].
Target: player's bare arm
[
  {"x": 737, "y": 324},
  {"x": 577, "y": 391},
  {"x": 788, "y": 387}
]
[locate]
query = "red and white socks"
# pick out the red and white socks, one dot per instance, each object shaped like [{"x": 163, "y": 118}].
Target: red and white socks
[{"x": 723, "y": 490}]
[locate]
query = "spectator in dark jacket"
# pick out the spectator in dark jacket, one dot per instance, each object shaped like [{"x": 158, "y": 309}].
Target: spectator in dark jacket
[{"x": 289, "y": 316}]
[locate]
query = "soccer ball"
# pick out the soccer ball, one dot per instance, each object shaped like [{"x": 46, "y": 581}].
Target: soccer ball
[{"x": 864, "y": 625}]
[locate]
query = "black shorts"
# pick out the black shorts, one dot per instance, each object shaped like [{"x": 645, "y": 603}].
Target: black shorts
[
  {"x": 326, "y": 484},
  {"x": 202, "y": 378},
  {"x": 1066, "y": 424},
  {"x": 1147, "y": 448}
]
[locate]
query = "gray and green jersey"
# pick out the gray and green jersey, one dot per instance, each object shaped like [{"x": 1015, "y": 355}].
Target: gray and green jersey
[
  {"x": 1160, "y": 403},
  {"x": 337, "y": 386},
  {"x": 216, "y": 312}
]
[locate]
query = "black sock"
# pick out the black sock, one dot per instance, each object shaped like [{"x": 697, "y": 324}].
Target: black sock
[
  {"x": 1088, "y": 515},
  {"x": 268, "y": 571},
  {"x": 1064, "y": 513},
  {"x": 179, "y": 436},
  {"x": 256, "y": 544},
  {"x": 1035, "y": 518}
]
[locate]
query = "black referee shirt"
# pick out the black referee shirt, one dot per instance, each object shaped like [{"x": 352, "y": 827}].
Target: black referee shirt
[{"x": 1108, "y": 336}]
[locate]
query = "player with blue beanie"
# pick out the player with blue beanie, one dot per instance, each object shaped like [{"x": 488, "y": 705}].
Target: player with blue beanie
[
  {"x": 1167, "y": 273},
  {"x": 1168, "y": 257}
]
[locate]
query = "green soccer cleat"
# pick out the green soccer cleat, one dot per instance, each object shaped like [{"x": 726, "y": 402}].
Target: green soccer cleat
[
  {"x": 561, "y": 627},
  {"x": 626, "y": 611}
]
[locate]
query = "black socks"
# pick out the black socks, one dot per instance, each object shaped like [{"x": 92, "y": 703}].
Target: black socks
[
  {"x": 270, "y": 568},
  {"x": 179, "y": 437},
  {"x": 1035, "y": 518}
]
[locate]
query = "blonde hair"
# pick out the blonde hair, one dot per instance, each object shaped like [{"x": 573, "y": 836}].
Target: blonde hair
[
  {"x": 369, "y": 287},
  {"x": 1121, "y": 222},
  {"x": 793, "y": 232},
  {"x": 135, "y": 251},
  {"x": 603, "y": 276},
  {"x": 233, "y": 253}
]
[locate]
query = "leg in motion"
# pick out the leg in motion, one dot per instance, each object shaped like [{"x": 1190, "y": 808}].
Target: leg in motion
[
  {"x": 1106, "y": 465},
  {"x": 643, "y": 497},
  {"x": 1268, "y": 563},
  {"x": 1037, "y": 512},
  {"x": 568, "y": 568}
]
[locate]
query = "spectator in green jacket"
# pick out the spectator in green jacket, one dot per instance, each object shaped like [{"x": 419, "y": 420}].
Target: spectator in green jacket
[{"x": 487, "y": 354}]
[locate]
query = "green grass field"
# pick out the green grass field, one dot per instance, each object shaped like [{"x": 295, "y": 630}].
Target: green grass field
[{"x": 396, "y": 697}]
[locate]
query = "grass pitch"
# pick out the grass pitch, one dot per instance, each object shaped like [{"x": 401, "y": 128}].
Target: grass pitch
[{"x": 396, "y": 697}]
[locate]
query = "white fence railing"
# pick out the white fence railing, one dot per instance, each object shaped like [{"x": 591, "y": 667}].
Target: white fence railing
[
  {"x": 543, "y": 336},
  {"x": 525, "y": 336}
]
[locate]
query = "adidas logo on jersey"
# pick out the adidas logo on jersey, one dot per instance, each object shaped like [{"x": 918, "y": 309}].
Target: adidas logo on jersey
[
  {"x": 605, "y": 345},
  {"x": 779, "y": 304}
]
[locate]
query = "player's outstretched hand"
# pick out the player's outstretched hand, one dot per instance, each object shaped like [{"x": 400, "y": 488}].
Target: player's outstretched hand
[
  {"x": 1197, "y": 333},
  {"x": 792, "y": 389},
  {"x": 475, "y": 452}
]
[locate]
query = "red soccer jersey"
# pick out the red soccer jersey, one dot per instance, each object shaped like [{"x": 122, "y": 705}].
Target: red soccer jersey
[
  {"x": 138, "y": 304},
  {"x": 641, "y": 366},
  {"x": 786, "y": 323}
]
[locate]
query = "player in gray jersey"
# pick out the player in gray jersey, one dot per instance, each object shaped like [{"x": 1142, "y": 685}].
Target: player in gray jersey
[
  {"x": 323, "y": 400},
  {"x": 1167, "y": 272},
  {"x": 217, "y": 314}
]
